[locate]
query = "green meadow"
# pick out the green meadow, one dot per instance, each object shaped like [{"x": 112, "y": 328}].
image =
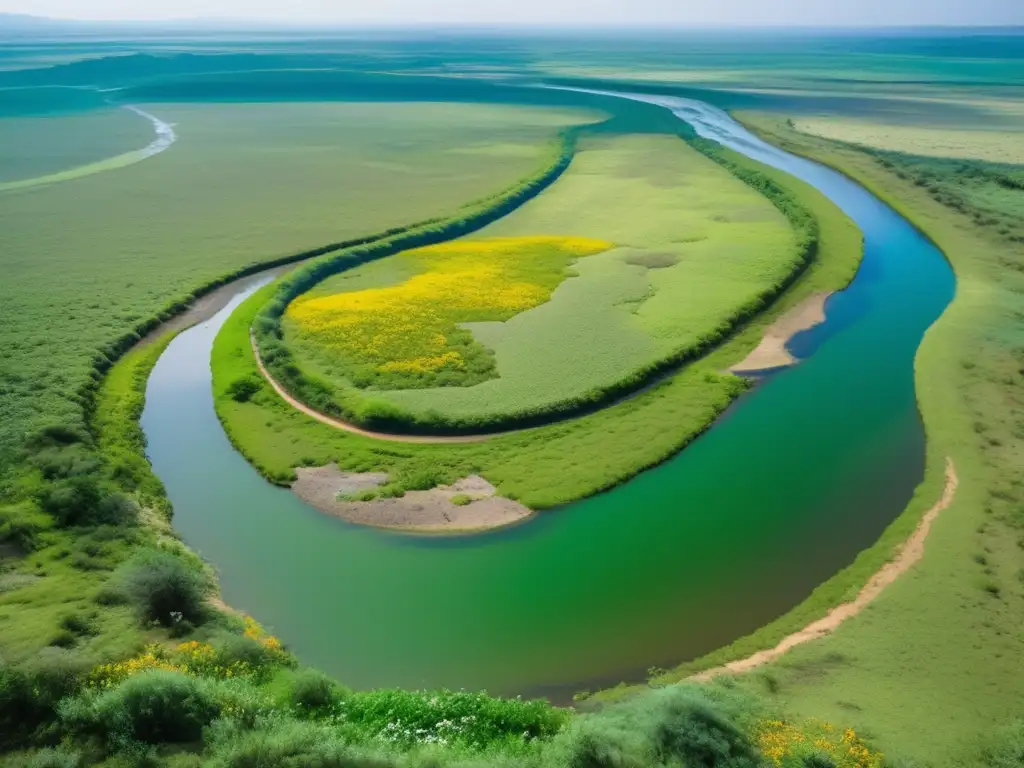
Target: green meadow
[
  {"x": 695, "y": 251},
  {"x": 243, "y": 185}
]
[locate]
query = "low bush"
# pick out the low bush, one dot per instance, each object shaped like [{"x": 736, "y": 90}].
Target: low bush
[
  {"x": 284, "y": 743},
  {"x": 46, "y": 758},
  {"x": 30, "y": 692},
  {"x": 153, "y": 707},
  {"x": 313, "y": 691},
  {"x": 163, "y": 588},
  {"x": 241, "y": 390}
]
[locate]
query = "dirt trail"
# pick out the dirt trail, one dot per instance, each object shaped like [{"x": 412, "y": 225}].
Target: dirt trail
[
  {"x": 905, "y": 558},
  {"x": 349, "y": 427}
]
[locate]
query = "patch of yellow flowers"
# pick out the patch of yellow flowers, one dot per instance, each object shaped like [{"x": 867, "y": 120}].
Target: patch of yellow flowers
[
  {"x": 779, "y": 741},
  {"x": 405, "y": 328},
  {"x": 192, "y": 658}
]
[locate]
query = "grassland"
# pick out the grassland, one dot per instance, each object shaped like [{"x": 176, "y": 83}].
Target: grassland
[
  {"x": 40, "y": 146},
  {"x": 205, "y": 208},
  {"x": 951, "y": 631},
  {"x": 408, "y": 334},
  {"x": 541, "y": 467},
  {"x": 942, "y": 141},
  {"x": 697, "y": 252}
]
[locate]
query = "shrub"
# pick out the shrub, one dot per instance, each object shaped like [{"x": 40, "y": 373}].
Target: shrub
[
  {"x": 47, "y": 758},
  {"x": 241, "y": 390},
  {"x": 163, "y": 587},
  {"x": 284, "y": 743},
  {"x": 461, "y": 500},
  {"x": 72, "y": 500},
  {"x": 153, "y": 707},
  {"x": 702, "y": 737},
  {"x": 312, "y": 690},
  {"x": 29, "y": 692}
]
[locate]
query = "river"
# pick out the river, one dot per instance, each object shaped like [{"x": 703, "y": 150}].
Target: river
[{"x": 803, "y": 473}]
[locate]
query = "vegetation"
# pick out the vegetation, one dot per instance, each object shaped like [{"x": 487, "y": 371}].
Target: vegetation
[
  {"x": 935, "y": 141},
  {"x": 965, "y": 637},
  {"x": 207, "y": 215},
  {"x": 39, "y": 146},
  {"x": 541, "y": 467},
  {"x": 408, "y": 335},
  {"x": 660, "y": 322}
]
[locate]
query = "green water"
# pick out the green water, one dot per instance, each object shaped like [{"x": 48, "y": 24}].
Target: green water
[{"x": 796, "y": 479}]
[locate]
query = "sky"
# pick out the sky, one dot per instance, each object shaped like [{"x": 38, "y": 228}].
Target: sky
[{"x": 541, "y": 12}]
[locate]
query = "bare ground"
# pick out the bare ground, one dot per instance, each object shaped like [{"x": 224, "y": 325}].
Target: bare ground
[
  {"x": 417, "y": 511},
  {"x": 904, "y": 559},
  {"x": 772, "y": 352}
]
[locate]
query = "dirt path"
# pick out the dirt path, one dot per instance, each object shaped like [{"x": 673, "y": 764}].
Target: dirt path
[
  {"x": 905, "y": 558},
  {"x": 349, "y": 427}
]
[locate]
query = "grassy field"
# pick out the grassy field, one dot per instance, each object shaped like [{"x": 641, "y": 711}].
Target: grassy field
[
  {"x": 951, "y": 631},
  {"x": 408, "y": 334},
  {"x": 696, "y": 249},
  {"x": 542, "y": 467},
  {"x": 942, "y": 141},
  {"x": 244, "y": 184},
  {"x": 43, "y": 145}
]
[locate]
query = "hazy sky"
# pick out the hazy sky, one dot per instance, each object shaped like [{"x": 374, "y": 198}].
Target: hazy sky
[{"x": 588, "y": 12}]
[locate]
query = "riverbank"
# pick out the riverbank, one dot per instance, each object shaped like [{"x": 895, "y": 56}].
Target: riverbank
[
  {"x": 772, "y": 352},
  {"x": 953, "y": 626}
]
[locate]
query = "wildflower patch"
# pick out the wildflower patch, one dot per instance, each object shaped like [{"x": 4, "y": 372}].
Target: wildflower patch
[{"x": 408, "y": 335}]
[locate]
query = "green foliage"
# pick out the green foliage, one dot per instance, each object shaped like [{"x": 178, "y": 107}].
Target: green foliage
[
  {"x": 242, "y": 390},
  {"x": 30, "y": 692},
  {"x": 283, "y": 743},
  {"x": 163, "y": 587},
  {"x": 566, "y": 381},
  {"x": 1006, "y": 748},
  {"x": 46, "y": 758},
  {"x": 153, "y": 707},
  {"x": 475, "y": 720},
  {"x": 312, "y": 691},
  {"x": 461, "y": 500}
]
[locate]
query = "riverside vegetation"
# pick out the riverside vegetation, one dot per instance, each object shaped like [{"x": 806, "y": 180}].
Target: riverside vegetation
[
  {"x": 99, "y": 580},
  {"x": 962, "y": 612}
]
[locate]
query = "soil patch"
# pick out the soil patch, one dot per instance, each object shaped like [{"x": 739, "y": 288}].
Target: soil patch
[
  {"x": 417, "y": 511},
  {"x": 772, "y": 352}
]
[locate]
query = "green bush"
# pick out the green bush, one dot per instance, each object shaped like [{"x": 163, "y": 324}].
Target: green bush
[
  {"x": 29, "y": 692},
  {"x": 461, "y": 500},
  {"x": 46, "y": 758},
  {"x": 284, "y": 743},
  {"x": 313, "y": 691},
  {"x": 241, "y": 390},
  {"x": 702, "y": 737},
  {"x": 153, "y": 707},
  {"x": 163, "y": 587},
  {"x": 72, "y": 500}
]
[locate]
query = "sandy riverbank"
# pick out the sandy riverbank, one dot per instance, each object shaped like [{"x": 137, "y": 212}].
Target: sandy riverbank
[
  {"x": 772, "y": 352},
  {"x": 417, "y": 511}
]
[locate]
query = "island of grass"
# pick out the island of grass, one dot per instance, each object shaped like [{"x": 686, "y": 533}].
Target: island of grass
[{"x": 643, "y": 255}]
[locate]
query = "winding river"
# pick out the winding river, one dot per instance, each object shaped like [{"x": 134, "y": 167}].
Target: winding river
[{"x": 802, "y": 474}]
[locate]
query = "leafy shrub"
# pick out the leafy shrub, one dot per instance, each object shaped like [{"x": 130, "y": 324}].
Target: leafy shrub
[
  {"x": 153, "y": 707},
  {"x": 29, "y": 692},
  {"x": 73, "y": 500},
  {"x": 312, "y": 690},
  {"x": 702, "y": 737},
  {"x": 241, "y": 390},
  {"x": 63, "y": 638},
  {"x": 284, "y": 743},
  {"x": 461, "y": 500},
  {"x": 163, "y": 587},
  {"x": 47, "y": 758}
]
